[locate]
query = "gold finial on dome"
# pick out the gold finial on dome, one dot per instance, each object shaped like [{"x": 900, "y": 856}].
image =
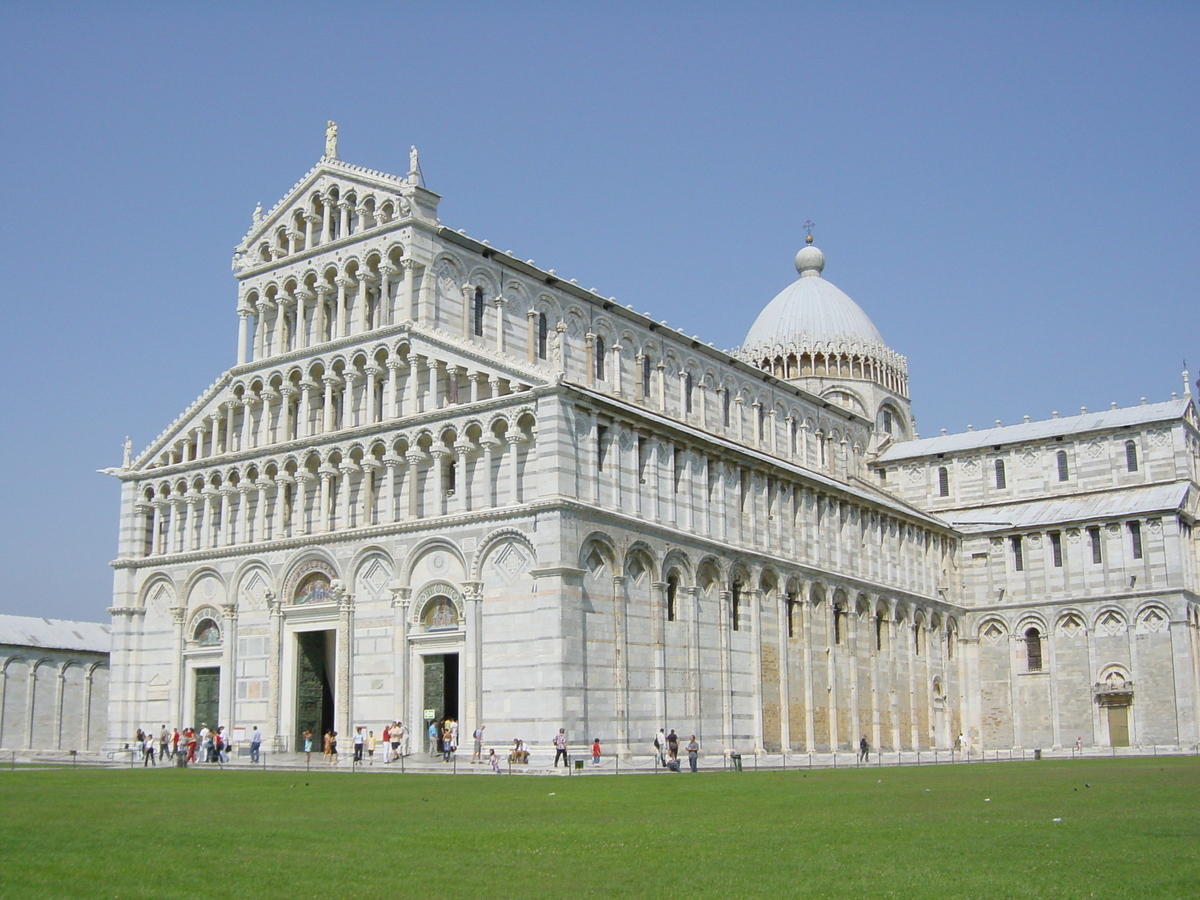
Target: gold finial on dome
[{"x": 808, "y": 239}]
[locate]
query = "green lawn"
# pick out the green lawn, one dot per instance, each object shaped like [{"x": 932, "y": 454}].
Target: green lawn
[{"x": 965, "y": 832}]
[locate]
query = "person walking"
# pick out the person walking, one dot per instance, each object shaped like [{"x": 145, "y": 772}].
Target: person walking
[
  {"x": 255, "y": 744},
  {"x": 560, "y": 748},
  {"x": 371, "y": 748},
  {"x": 864, "y": 749},
  {"x": 359, "y": 741},
  {"x": 435, "y": 737},
  {"x": 660, "y": 746},
  {"x": 148, "y": 751},
  {"x": 693, "y": 752},
  {"x": 164, "y": 743},
  {"x": 308, "y": 738},
  {"x": 477, "y": 756},
  {"x": 673, "y": 745},
  {"x": 596, "y": 752}
]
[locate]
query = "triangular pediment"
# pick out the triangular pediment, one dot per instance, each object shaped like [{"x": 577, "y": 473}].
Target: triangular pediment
[{"x": 299, "y": 219}]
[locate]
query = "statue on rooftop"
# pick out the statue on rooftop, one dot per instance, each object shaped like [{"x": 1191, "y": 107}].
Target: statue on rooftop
[{"x": 331, "y": 139}]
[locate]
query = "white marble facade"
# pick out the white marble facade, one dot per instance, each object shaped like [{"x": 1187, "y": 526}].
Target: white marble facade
[{"x": 440, "y": 477}]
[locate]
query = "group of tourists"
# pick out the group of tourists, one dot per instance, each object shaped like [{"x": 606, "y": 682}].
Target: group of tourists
[
  {"x": 443, "y": 738},
  {"x": 666, "y": 749},
  {"x": 203, "y": 745}
]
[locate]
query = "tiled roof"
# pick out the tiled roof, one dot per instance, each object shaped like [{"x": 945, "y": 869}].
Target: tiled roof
[
  {"x": 55, "y": 634},
  {"x": 1035, "y": 431},
  {"x": 1103, "y": 505}
]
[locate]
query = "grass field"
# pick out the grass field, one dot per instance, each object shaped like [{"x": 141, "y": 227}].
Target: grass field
[{"x": 966, "y": 832}]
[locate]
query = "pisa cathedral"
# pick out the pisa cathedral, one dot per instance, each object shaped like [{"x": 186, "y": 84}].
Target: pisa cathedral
[{"x": 442, "y": 481}]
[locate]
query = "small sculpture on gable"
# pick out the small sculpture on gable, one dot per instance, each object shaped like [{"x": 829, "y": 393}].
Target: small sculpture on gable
[{"x": 331, "y": 151}]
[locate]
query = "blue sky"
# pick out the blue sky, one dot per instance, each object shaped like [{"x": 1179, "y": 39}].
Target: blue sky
[{"x": 1009, "y": 190}]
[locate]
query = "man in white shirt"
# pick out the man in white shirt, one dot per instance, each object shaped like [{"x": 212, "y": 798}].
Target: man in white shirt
[{"x": 255, "y": 744}]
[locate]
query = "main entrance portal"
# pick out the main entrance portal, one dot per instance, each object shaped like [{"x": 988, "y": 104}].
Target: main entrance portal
[
  {"x": 208, "y": 697},
  {"x": 314, "y": 685},
  {"x": 441, "y": 686}
]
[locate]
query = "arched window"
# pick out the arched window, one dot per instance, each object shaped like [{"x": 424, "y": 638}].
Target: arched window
[
  {"x": 1033, "y": 650},
  {"x": 687, "y": 393},
  {"x": 1064, "y": 471},
  {"x": 888, "y": 422},
  {"x": 451, "y": 477},
  {"x": 478, "y": 310},
  {"x": 1131, "y": 460},
  {"x": 1001, "y": 480},
  {"x": 735, "y": 606},
  {"x": 838, "y": 612},
  {"x": 645, "y": 377},
  {"x": 725, "y": 407},
  {"x": 672, "y": 594},
  {"x": 599, "y": 351},
  {"x": 791, "y": 607},
  {"x": 943, "y": 481},
  {"x": 543, "y": 334}
]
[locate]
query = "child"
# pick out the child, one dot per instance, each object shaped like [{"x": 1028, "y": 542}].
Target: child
[
  {"x": 495, "y": 761},
  {"x": 596, "y": 752}
]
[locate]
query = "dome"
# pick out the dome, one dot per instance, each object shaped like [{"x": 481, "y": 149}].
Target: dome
[{"x": 811, "y": 312}]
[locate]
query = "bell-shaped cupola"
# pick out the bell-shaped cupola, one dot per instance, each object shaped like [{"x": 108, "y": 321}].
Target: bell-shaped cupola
[{"x": 815, "y": 336}]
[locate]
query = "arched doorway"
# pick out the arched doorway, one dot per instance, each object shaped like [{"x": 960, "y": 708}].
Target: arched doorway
[{"x": 437, "y": 637}]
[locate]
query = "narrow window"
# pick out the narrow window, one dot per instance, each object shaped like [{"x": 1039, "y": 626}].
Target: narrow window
[
  {"x": 887, "y": 421},
  {"x": 1033, "y": 650},
  {"x": 879, "y": 633},
  {"x": 1064, "y": 472},
  {"x": 672, "y": 593},
  {"x": 1001, "y": 480},
  {"x": 735, "y": 607},
  {"x": 645, "y": 377},
  {"x": 1131, "y": 460},
  {"x": 677, "y": 468},
  {"x": 478, "y": 312},
  {"x": 917, "y": 638},
  {"x": 543, "y": 334},
  {"x": 643, "y": 451},
  {"x": 943, "y": 481},
  {"x": 599, "y": 349},
  {"x": 687, "y": 393},
  {"x": 1018, "y": 553},
  {"x": 725, "y": 408},
  {"x": 837, "y": 625},
  {"x": 1056, "y": 548},
  {"x": 1135, "y": 536},
  {"x": 1094, "y": 540},
  {"x": 451, "y": 477},
  {"x": 601, "y": 446},
  {"x": 791, "y": 615}
]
